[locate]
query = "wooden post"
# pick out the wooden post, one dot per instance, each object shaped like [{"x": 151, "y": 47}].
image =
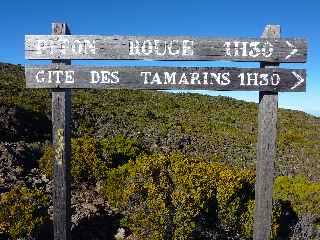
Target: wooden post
[
  {"x": 266, "y": 151},
  {"x": 61, "y": 118}
]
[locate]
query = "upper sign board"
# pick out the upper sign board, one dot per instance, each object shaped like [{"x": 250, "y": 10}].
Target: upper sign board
[{"x": 165, "y": 48}]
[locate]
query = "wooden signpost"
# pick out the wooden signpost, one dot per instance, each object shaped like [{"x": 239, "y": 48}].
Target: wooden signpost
[{"x": 61, "y": 77}]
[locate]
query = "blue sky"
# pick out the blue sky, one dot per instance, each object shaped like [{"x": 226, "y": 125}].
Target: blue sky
[{"x": 169, "y": 17}]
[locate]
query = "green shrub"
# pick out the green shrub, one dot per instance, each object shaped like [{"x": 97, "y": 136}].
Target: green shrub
[
  {"x": 304, "y": 198},
  {"x": 303, "y": 195},
  {"x": 22, "y": 212},
  {"x": 91, "y": 158},
  {"x": 45, "y": 162},
  {"x": 86, "y": 162},
  {"x": 178, "y": 197},
  {"x": 119, "y": 150}
]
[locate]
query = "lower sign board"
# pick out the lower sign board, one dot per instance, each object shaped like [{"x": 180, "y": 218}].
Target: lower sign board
[{"x": 162, "y": 78}]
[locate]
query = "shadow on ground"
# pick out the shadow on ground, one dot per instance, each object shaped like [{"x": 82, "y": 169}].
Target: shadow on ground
[{"x": 95, "y": 228}]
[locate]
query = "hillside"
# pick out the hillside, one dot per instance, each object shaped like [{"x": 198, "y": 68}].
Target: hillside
[
  {"x": 219, "y": 126},
  {"x": 215, "y": 129}
]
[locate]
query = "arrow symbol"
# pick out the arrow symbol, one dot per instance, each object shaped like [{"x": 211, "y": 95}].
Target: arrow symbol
[
  {"x": 301, "y": 80},
  {"x": 293, "y": 51}
]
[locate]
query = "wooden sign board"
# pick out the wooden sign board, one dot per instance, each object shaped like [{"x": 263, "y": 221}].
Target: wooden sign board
[
  {"x": 165, "y": 48},
  {"x": 160, "y": 78}
]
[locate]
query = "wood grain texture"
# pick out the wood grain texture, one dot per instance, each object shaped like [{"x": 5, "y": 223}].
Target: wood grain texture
[
  {"x": 61, "y": 124},
  {"x": 164, "y": 48},
  {"x": 266, "y": 152},
  {"x": 159, "y": 78}
]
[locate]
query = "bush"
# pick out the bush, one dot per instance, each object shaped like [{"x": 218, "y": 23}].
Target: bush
[
  {"x": 304, "y": 198},
  {"x": 303, "y": 195},
  {"x": 22, "y": 212},
  {"x": 119, "y": 150},
  {"x": 91, "y": 158},
  {"x": 177, "y": 197},
  {"x": 45, "y": 162}
]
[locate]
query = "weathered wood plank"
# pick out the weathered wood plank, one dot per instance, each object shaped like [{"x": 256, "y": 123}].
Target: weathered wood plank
[
  {"x": 266, "y": 152},
  {"x": 165, "y": 48},
  {"x": 61, "y": 124},
  {"x": 243, "y": 79}
]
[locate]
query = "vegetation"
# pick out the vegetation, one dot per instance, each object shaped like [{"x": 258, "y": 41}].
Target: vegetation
[
  {"x": 176, "y": 166},
  {"x": 22, "y": 212},
  {"x": 303, "y": 195},
  {"x": 92, "y": 158},
  {"x": 179, "y": 197}
]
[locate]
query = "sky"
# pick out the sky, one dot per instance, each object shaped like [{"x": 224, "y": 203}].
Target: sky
[{"x": 201, "y": 18}]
